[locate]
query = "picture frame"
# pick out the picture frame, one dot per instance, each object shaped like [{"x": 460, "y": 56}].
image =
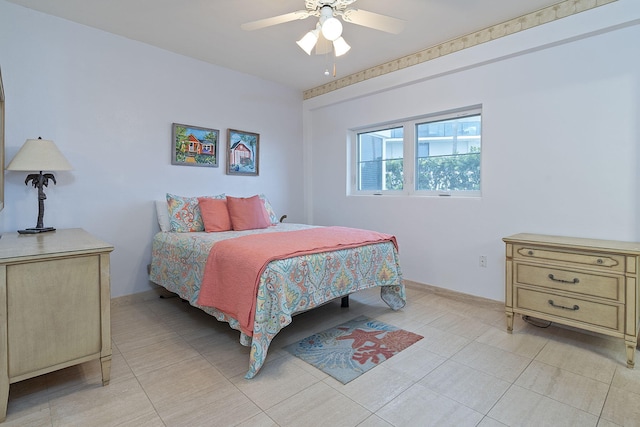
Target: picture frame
[
  {"x": 243, "y": 150},
  {"x": 194, "y": 146}
]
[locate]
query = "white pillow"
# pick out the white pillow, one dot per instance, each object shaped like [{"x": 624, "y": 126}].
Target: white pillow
[{"x": 162, "y": 210}]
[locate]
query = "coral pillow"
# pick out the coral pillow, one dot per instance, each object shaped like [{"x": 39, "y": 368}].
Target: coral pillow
[
  {"x": 214, "y": 214},
  {"x": 247, "y": 213}
]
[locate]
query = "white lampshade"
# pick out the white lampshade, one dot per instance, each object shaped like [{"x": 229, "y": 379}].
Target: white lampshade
[
  {"x": 331, "y": 29},
  {"x": 39, "y": 155},
  {"x": 308, "y": 41},
  {"x": 340, "y": 46}
]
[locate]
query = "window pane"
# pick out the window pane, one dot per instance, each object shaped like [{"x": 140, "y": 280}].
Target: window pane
[
  {"x": 448, "y": 154},
  {"x": 380, "y": 160}
]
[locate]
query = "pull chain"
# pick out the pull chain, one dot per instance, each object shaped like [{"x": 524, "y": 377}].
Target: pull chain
[{"x": 326, "y": 70}]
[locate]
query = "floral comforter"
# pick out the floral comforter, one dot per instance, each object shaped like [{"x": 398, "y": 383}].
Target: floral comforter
[{"x": 286, "y": 286}]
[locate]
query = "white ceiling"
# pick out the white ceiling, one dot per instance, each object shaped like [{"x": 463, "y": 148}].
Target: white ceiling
[{"x": 209, "y": 30}]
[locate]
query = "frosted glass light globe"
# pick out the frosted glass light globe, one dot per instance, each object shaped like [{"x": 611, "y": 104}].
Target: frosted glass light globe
[{"x": 332, "y": 29}]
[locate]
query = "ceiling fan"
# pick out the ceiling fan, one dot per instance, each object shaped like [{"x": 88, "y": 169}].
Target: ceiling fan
[{"x": 329, "y": 28}]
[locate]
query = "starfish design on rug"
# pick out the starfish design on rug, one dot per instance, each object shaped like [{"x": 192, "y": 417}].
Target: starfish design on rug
[{"x": 361, "y": 337}]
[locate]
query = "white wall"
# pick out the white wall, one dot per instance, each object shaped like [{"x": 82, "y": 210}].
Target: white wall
[
  {"x": 560, "y": 148},
  {"x": 108, "y": 103}
]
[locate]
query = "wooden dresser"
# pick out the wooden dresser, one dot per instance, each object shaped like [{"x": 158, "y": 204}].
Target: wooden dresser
[
  {"x": 54, "y": 305},
  {"x": 585, "y": 283}
]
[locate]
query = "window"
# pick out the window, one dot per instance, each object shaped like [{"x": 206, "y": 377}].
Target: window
[
  {"x": 380, "y": 154},
  {"x": 436, "y": 154},
  {"x": 448, "y": 157}
]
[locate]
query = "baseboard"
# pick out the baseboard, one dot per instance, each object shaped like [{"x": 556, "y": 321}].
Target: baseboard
[
  {"x": 140, "y": 297},
  {"x": 461, "y": 296}
]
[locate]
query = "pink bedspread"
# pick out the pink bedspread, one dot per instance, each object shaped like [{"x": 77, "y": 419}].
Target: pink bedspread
[{"x": 234, "y": 266}]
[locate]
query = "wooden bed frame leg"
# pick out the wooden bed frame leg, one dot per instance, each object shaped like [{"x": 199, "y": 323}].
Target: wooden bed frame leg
[{"x": 345, "y": 301}]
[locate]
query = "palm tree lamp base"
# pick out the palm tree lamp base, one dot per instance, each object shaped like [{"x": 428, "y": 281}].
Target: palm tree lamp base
[{"x": 39, "y": 180}]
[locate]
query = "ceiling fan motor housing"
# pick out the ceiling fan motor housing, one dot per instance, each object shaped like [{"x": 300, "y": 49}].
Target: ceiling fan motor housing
[{"x": 336, "y": 5}]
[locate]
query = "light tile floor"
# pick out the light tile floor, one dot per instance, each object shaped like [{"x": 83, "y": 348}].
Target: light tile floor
[{"x": 173, "y": 365}]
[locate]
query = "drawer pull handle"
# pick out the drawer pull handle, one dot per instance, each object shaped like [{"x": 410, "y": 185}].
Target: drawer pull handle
[
  {"x": 573, "y": 282},
  {"x": 530, "y": 253},
  {"x": 574, "y": 308},
  {"x": 599, "y": 261}
]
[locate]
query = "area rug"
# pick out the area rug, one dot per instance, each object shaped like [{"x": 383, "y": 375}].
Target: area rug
[{"x": 347, "y": 351}]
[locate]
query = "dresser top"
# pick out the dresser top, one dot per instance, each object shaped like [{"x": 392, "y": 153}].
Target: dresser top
[
  {"x": 575, "y": 242},
  {"x": 14, "y": 246}
]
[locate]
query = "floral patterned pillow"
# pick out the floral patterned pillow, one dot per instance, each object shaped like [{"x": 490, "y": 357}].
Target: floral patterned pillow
[
  {"x": 272, "y": 214},
  {"x": 184, "y": 213}
]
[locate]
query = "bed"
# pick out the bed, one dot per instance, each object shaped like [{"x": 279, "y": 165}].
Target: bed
[{"x": 181, "y": 263}]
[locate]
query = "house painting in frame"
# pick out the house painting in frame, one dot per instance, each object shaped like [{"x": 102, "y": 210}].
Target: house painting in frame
[
  {"x": 242, "y": 152},
  {"x": 195, "y": 146}
]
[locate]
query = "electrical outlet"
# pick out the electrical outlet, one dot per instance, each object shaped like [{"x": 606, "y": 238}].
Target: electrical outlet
[{"x": 483, "y": 261}]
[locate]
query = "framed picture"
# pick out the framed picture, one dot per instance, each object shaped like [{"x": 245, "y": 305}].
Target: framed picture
[
  {"x": 242, "y": 152},
  {"x": 194, "y": 146}
]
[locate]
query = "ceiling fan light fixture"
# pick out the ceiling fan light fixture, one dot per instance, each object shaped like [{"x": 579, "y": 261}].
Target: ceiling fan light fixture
[
  {"x": 308, "y": 42},
  {"x": 340, "y": 46},
  {"x": 332, "y": 29}
]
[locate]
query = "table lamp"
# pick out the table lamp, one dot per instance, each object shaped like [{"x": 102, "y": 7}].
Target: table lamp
[{"x": 39, "y": 155}]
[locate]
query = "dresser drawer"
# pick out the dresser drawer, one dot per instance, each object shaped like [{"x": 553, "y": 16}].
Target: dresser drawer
[
  {"x": 583, "y": 283},
  {"x": 604, "y": 261},
  {"x": 608, "y": 316}
]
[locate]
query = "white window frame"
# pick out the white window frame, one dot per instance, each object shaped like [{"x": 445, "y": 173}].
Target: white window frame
[{"x": 410, "y": 160}]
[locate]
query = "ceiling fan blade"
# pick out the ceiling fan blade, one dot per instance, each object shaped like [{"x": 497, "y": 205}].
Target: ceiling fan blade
[
  {"x": 275, "y": 20},
  {"x": 374, "y": 20}
]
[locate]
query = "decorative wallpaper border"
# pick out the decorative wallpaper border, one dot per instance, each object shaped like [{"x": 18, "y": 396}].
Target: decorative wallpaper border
[{"x": 521, "y": 23}]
